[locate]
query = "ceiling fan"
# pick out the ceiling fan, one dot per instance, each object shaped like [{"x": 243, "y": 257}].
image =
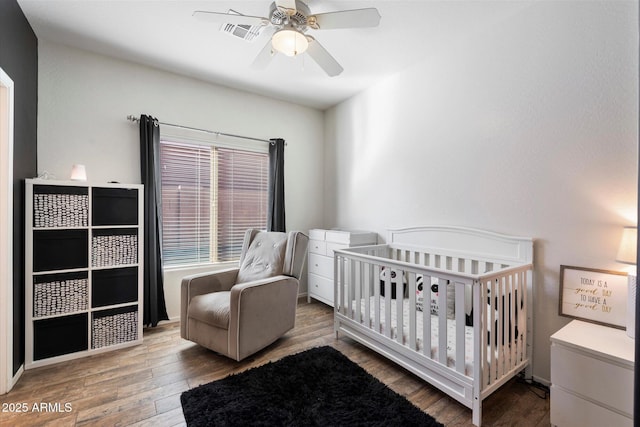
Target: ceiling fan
[{"x": 288, "y": 23}]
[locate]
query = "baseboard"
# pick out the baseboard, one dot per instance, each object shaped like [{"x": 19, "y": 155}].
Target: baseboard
[
  {"x": 543, "y": 381},
  {"x": 17, "y": 376}
]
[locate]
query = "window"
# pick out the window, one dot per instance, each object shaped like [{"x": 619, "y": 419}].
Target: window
[{"x": 210, "y": 196}]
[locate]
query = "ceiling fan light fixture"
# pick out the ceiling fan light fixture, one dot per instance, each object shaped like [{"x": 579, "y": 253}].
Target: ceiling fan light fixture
[{"x": 289, "y": 41}]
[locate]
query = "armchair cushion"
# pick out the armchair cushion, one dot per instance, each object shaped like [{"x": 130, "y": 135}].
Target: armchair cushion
[
  {"x": 212, "y": 309},
  {"x": 263, "y": 258}
]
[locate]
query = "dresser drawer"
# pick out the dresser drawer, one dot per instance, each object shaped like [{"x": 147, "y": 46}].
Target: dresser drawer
[
  {"x": 321, "y": 265},
  {"x": 592, "y": 378},
  {"x": 321, "y": 288},
  {"x": 318, "y": 247},
  {"x": 568, "y": 410}
]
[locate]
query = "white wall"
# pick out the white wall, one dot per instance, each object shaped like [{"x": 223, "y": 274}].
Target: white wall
[
  {"x": 528, "y": 127},
  {"x": 84, "y": 99}
]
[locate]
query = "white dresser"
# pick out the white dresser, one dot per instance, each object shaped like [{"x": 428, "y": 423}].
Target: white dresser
[
  {"x": 591, "y": 376},
  {"x": 321, "y": 246}
]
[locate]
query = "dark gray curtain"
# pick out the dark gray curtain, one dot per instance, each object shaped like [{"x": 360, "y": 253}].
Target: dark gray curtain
[
  {"x": 276, "y": 217},
  {"x": 154, "y": 305}
]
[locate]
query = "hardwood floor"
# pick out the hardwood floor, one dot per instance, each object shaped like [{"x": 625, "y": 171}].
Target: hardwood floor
[{"x": 141, "y": 386}]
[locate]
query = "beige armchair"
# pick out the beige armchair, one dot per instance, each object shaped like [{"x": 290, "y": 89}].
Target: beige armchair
[{"x": 238, "y": 311}]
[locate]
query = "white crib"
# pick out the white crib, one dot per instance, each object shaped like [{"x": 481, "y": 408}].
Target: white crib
[{"x": 478, "y": 325}]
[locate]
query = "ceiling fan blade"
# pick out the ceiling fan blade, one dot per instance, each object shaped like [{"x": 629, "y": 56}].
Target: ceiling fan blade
[
  {"x": 356, "y": 18},
  {"x": 228, "y": 18},
  {"x": 264, "y": 57},
  {"x": 287, "y": 6},
  {"x": 323, "y": 58}
]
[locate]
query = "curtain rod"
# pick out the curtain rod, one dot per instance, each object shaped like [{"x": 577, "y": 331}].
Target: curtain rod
[{"x": 136, "y": 119}]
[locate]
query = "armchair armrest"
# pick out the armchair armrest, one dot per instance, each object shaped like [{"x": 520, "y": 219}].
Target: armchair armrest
[
  {"x": 203, "y": 283},
  {"x": 260, "y": 312}
]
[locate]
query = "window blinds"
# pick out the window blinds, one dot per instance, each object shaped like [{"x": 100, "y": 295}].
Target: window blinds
[
  {"x": 210, "y": 196},
  {"x": 241, "y": 200}
]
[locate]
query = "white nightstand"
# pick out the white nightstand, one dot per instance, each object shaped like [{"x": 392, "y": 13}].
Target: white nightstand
[{"x": 591, "y": 376}]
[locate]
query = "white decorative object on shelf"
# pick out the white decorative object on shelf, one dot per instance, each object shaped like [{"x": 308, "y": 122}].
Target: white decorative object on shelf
[{"x": 78, "y": 173}]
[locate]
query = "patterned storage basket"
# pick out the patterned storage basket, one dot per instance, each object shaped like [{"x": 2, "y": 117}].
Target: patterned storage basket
[
  {"x": 114, "y": 329},
  {"x": 60, "y": 297},
  {"x": 60, "y": 210},
  {"x": 113, "y": 250}
]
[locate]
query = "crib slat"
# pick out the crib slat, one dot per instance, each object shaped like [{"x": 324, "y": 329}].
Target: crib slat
[
  {"x": 349, "y": 288},
  {"x": 368, "y": 267},
  {"x": 489, "y": 335},
  {"x": 411, "y": 283},
  {"x": 339, "y": 284},
  {"x": 357, "y": 283},
  {"x": 513, "y": 321},
  {"x": 345, "y": 287},
  {"x": 400, "y": 307},
  {"x": 426, "y": 259},
  {"x": 426, "y": 316},
  {"x": 507, "y": 324},
  {"x": 460, "y": 328},
  {"x": 480, "y": 368},
  {"x": 525, "y": 314},
  {"x": 500, "y": 317},
  {"x": 494, "y": 333},
  {"x": 376, "y": 299},
  {"x": 520, "y": 325},
  {"x": 387, "y": 304},
  {"x": 442, "y": 321}
]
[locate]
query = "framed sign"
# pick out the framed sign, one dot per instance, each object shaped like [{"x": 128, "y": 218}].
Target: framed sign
[{"x": 598, "y": 296}]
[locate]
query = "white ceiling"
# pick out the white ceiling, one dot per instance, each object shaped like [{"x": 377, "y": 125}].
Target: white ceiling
[{"x": 163, "y": 34}]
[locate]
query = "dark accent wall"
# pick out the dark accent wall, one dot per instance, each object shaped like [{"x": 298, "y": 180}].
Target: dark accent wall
[{"x": 19, "y": 59}]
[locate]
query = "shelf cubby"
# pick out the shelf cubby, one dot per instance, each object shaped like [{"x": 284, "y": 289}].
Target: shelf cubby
[{"x": 114, "y": 286}]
